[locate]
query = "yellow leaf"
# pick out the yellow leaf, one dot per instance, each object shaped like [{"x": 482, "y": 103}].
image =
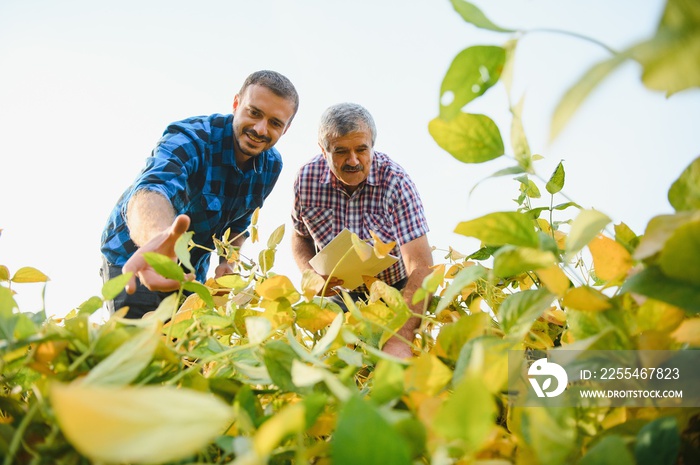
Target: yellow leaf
[
  {"x": 555, "y": 316},
  {"x": 311, "y": 284},
  {"x": 28, "y": 274},
  {"x": 4, "y": 272},
  {"x": 368, "y": 280},
  {"x": 278, "y": 312},
  {"x": 610, "y": 259},
  {"x": 148, "y": 424},
  {"x": 586, "y": 298},
  {"x": 658, "y": 316},
  {"x": 554, "y": 279},
  {"x": 381, "y": 249},
  {"x": 688, "y": 332},
  {"x": 291, "y": 419},
  {"x": 363, "y": 250},
  {"x": 276, "y": 287},
  {"x": 312, "y": 317},
  {"x": 427, "y": 374}
]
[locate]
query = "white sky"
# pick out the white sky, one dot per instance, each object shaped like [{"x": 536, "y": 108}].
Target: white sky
[{"x": 87, "y": 87}]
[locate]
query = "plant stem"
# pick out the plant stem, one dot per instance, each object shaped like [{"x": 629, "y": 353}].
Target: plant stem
[
  {"x": 17, "y": 438},
  {"x": 578, "y": 36}
]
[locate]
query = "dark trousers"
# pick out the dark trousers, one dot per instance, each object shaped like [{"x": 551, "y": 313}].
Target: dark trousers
[{"x": 140, "y": 302}]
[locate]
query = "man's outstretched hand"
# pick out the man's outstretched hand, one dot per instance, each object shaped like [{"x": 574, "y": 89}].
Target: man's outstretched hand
[{"x": 162, "y": 243}]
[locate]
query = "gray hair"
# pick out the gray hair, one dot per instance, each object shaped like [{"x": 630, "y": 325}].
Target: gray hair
[
  {"x": 342, "y": 119},
  {"x": 280, "y": 85}
]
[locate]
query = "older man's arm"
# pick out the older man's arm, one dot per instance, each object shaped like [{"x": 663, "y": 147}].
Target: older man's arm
[{"x": 418, "y": 258}]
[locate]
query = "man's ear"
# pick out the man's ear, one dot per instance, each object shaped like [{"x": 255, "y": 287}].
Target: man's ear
[
  {"x": 236, "y": 102},
  {"x": 323, "y": 149}
]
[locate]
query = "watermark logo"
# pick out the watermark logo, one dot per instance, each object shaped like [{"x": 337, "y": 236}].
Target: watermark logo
[{"x": 549, "y": 370}]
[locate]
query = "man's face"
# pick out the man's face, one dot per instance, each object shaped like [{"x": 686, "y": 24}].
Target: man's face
[
  {"x": 350, "y": 158},
  {"x": 259, "y": 119}
]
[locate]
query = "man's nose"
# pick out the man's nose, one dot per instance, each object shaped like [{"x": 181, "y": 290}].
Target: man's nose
[
  {"x": 353, "y": 159},
  {"x": 261, "y": 127}
]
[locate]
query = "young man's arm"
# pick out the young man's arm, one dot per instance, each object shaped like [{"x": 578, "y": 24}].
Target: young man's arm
[{"x": 153, "y": 228}]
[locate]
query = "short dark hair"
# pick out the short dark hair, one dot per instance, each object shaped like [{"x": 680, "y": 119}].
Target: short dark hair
[
  {"x": 279, "y": 85},
  {"x": 342, "y": 119}
]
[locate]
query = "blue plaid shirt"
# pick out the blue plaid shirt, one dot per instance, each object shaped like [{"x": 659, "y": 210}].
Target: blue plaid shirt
[{"x": 194, "y": 166}]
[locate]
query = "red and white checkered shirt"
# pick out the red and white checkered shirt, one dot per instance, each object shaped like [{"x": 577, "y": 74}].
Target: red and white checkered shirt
[{"x": 387, "y": 203}]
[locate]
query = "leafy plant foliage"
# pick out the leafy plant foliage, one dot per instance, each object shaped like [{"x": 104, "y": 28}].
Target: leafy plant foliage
[{"x": 253, "y": 369}]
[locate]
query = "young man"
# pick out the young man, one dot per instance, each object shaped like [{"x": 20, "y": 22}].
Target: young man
[
  {"x": 207, "y": 173},
  {"x": 349, "y": 185}
]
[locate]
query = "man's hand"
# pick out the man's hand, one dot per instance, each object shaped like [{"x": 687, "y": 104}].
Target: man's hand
[
  {"x": 162, "y": 243},
  {"x": 332, "y": 282}
]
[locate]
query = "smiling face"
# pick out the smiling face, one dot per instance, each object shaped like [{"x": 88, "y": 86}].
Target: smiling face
[
  {"x": 350, "y": 157},
  {"x": 260, "y": 117}
]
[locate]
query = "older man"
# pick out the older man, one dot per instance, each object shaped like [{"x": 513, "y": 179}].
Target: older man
[{"x": 349, "y": 185}]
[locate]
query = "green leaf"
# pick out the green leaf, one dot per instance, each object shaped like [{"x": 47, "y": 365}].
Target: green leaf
[
  {"x": 611, "y": 450},
  {"x": 511, "y": 261},
  {"x": 201, "y": 290},
  {"x": 7, "y": 304},
  {"x": 485, "y": 357},
  {"x": 278, "y": 357},
  {"x": 521, "y": 148},
  {"x": 462, "y": 279},
  {"x": 472, "y": 72},
  {"x": 528, "y": 187},
  {"x": 652, "y": 282},
  {"x": 115, "y": 286},
  {"x": 658, "y": 442},
  {"x": 429, "y": 285},
  {"x": 548, "y": 434},
  {"x": 520, "y": 310},
  {"x": 659, "y": 230},
  {"x": 556, "y": 181},
  {"x": 475, "y": 16},
  {"x": 470, "y": 138},
  {"x": 680, "y": 257},
  {"x": 684, "y": 193},
  {"x": 468, "y": 414},
  {"x": 266, "y": 258},
  {"x": 363, "y": 436},
  {"x": 670, "y": 58},
  {"x": 164, "y": 266},
  {"x": 586, "y": 226},
  {"x": 91, "y": 305},
  {"x": 574, "y": 97},
  {"x": 182, "y": 251},
  {"x": 248, "y": 407},
  {"x": 276, "y": 237},
  {"x": 501, "y": 228},
  {"x": 123, "y": 365},
  {"x": 453, "y": 336},
  {"x": 388, "y": 382}
]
